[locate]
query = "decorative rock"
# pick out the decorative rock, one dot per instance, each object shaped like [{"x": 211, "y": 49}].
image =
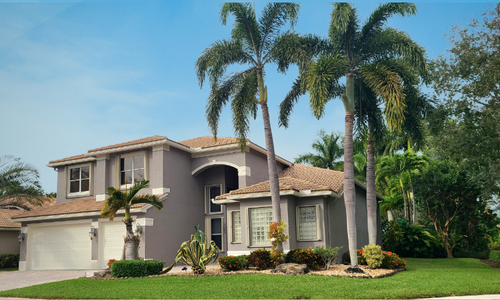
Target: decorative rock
[{"x": 291, "y": 269}]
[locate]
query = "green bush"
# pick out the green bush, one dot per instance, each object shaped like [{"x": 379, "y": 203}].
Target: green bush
[
  {"x": 471, "y": 254},
  {"x": 261, "y": 259},
  {"x": 495, "y": 255},
  {"x": 327, "y": 254},
  {"x": 153, "y": 267},
  {"x": 373, "y": 256},
  {"x": 391, "y": 260},
  {"x": 305, "y": 256},
  {"x": 244, "y": 261},
  {"x": 10, "y": 260},
  {"x": 129, "y": 268},
  {"x": 230, "y": 263}
]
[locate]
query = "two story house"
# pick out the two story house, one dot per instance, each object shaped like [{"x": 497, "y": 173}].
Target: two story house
[{"x": 202, "y": 182}]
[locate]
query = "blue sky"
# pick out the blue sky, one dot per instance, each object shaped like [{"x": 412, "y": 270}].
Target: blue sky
[{"x": 77, "y": 75}]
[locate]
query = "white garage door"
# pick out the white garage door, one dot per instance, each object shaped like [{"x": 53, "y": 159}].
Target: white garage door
[
  {"x": 62, "y": 247},
  {"x": 111, "y": 236}
]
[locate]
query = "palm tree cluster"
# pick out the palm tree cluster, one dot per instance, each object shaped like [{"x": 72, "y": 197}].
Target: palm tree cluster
[{"x": 382, "y": 67}]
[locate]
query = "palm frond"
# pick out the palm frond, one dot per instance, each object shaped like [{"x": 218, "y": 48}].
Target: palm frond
[
  {"x": 273, "y": 17},
  {"x": 322, "y": 81},
  {"x": 111, "y": 207},
  {"x": 148, "y": 199},
  {"x": 286, "y": 106},
  {"x": 343, "y": 30},
  {"x": 138, "y": 185},
  {"x": 246, "y": 27}
]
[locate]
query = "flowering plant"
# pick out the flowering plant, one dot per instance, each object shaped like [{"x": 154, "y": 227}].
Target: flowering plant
[
  {"x": 229, "y": 263},
  {"x": 391, "y": 260},
  {"x": 277, "y": 233},
  {"x": 110, "y": 262}
]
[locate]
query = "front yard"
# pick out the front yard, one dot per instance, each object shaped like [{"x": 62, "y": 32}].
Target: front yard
[{"x": 423, "y": 278}]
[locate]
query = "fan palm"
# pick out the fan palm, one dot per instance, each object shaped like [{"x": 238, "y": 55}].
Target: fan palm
[
  {"x": 329, "y": 149},
  {"x": 254, "y": 44},
  {"x": 369, "y": 56},
  {"x": 125, "y": 200},
  {"x": 19, "y": 183}
]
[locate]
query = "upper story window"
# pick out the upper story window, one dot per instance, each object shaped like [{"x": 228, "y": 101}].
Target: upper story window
[
  {"x": 212, "y": 192},
  {"x": 79, "y": 180},
  {"x": 132, "y": 168}
]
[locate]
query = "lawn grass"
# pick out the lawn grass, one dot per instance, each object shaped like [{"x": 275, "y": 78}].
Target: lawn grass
[{"x": 423, "y": 278}]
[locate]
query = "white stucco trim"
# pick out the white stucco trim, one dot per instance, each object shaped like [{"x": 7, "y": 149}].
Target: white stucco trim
[
  {"x": 103, "y": 157},
  {"x": 301, "y": 194},
  {"x": 22, "y": 265},
  {"x": 161, "y": 147},
  {"x": 127, "y": 148},
  {"x": 145, "y": 221},
  {"x": 77, "y": 215},
  {"x": 70, "y": 222},
  {"x": 101, "y": 197},
  {"x": 244, "y": 171},
  {"x": 71, "y": 162},
  {"x": 160, "y": 191},
  {"x": 237, "y": 253},
  {"x": 24, "y": 229},
  {"x": 213, "y": 163}
]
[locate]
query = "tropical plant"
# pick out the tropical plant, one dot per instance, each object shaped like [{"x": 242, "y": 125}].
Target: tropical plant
[
  {"x": 277, "y": 234},
  {"x": 125, "y": 200},
  {"x": 197, "y": 253},
  {"x": 327, "y": 254},
  {"x": 411, "y": 240},
  {"x": 254, "y": 43},
  {"x": 230, "y": 263},
  {"x": 19, "y": 184},
  {"x": 370, "y": 56},
  {"x": 373, "y": 256},
  {"x": 261, "y": 259},
  {"x": 329, "y": 149}
]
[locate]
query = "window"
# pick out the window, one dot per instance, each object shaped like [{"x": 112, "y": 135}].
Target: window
[
  {"x": 212, "y": 192},
  {"x": 216, "y": 231},
  {"x": 260, "y": 219},
  {"x": 79, "y": 181},
  {"x": 308, "y": 223},
  {"x": 236, "y": 226},
  {"x": 131, "y": 169}
]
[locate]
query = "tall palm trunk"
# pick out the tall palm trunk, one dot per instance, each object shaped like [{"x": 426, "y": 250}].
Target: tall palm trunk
[
  {"x": 404, "y": 198},
  {"x": 349, "y": 188},
  {"x": 271, "y": 156},
  {"x": 371, "y": 196},
  {"x": 130, "y": 251},
  {"x": 412, "y": 198}
]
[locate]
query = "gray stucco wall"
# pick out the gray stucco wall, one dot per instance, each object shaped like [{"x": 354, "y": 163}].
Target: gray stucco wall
[{"x": 8, "y": 241}]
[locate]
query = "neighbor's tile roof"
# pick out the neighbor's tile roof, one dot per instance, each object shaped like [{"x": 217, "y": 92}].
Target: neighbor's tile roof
[
  {"x": 134, "y": 142},
  {"x": 298, "y": 178},
  {"x": 67, "y": 158},
  {"x": 208, "y": 142},
  {"x": 6, "y": 215},
  {"x": 70, "y": 207}
]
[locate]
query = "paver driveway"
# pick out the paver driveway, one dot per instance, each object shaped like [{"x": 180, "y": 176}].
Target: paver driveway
[{"x": 19, "y": 279}]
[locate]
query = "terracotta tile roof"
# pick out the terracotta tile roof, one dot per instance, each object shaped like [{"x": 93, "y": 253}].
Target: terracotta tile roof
[
  {"x": 208, "y": 142},
  {"x": 70, "y": 207},
  {"x": 47, "y": 202},
  {"x": 135, "y": 142},
  {"x": 330, "y": 178},
  {"x": 67, "y": 158},
  {"x": 298, "y": 178},
  {"x": 6, "y": 215}
]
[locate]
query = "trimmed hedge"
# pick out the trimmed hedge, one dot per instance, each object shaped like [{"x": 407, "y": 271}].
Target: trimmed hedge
[
  {"x": 9, "y": 260},
  {"x": 136, "y": 268},
  {"x": 495, "y": 255}
]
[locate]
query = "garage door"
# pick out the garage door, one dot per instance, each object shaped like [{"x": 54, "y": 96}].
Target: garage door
[
  {"x": 62, "y": 247},
  {"x": 111, "y": 235}
]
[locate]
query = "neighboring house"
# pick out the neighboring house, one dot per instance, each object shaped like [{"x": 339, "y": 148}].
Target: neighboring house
[
  {"x": 9, "y": 231},
  {"x": 202, "y": 182}
]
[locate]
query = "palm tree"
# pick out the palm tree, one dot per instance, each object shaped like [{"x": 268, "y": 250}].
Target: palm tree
[
  {"x": 328, "y": 148},
  {"x": 414, "y": 163},
  {"x": 367, "y": 56},
  {"x": 254, "y": 44},
  {"x": 124, "y": 200},
  {"x": 19, "y": 184}
]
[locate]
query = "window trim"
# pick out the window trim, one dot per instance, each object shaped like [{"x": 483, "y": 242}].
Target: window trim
[
  {"x": 231, "y": 233},
  {"x": 144, "y": 153},
  {"x": 207, "y": 199},
  {"x": 249, "y": 229},
  {"x": 318, "y": 223},
  {"x": 67, "y": 180},
  {"x": 208, "y": 230}
]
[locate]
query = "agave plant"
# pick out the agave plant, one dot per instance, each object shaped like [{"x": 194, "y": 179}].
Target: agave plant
[{"x": 196, "y": 252}]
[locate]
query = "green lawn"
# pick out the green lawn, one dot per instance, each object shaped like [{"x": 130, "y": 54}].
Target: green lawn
[
  {"x": 8, "y": 269},
  {"x": 423, "y": 278}
]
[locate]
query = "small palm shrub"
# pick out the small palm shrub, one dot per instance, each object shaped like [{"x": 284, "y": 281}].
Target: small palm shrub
[
  {"x": 230, "y": 263},
  {"x": 391, "y": 260},
  {"x": 305, "y": 256},
  {"x": 327, "y": 254},
  {"x": 261, "y": 259},
  {"x": 373, "y": 256}
]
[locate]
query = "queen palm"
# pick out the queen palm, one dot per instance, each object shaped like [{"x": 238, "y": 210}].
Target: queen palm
[
  {"x": 329, "y": 149},
  {"x": 365, "y": 55},
  {"x": 118, "y": 200},
  {"x": 254, "y": 44}
]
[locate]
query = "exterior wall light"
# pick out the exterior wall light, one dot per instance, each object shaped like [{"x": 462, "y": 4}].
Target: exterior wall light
[
  {"x": 93, "y": 232},
  {"x": 20, "y": 237},
  {"x": 138, "y": 229}
]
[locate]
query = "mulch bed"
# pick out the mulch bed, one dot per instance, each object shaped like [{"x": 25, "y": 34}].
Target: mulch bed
[{"x": 490, "y": 263}]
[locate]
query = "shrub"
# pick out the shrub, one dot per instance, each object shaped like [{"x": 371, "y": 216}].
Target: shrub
[
  {"x": 153, "y": 267},
  {"x": 261, "y": 259},
  {"x": 129, "y": 268},
  {"x": 495, "y": 255},
  {"x": 391, "y": 260},
  {"x": 327, "y": 254},
  {"x": 110, "y": 262},
  {"x": 9, "y": 260},
  {"x": 373, "y": 256},
  {"x": 230, "y": 263},
  {"x": 276, "y": 258},
  {"x": 305, "y": 256},
  {"x": 461, "y": 253},
  {"x": 244, "y": 261}
]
